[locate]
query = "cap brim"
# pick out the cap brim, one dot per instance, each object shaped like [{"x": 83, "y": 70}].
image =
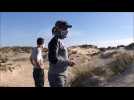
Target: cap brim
[{"x": 69, "y": 26}]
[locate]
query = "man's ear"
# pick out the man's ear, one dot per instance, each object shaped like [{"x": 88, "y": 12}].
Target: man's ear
[
  {"x": 54, "y": 29},
  {"x": 57, "y": 29}
]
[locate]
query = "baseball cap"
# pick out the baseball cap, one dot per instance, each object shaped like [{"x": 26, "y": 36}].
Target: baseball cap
[{"x": 61, "y": 23}]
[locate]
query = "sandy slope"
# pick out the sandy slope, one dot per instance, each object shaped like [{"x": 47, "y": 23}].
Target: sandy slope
[{"x": 126, "y": 79}]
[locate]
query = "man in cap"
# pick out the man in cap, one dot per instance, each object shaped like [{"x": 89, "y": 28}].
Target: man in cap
[{"x": 58, "y": 55}]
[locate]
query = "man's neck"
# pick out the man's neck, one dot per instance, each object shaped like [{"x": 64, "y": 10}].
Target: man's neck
[{"x": 39, "y": 47}]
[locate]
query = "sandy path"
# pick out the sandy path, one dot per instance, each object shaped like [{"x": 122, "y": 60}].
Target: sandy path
[{"x": 21, "y": 77}]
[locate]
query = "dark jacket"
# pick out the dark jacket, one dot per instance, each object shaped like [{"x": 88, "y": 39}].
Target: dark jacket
[{"x": 57, "y": 56}]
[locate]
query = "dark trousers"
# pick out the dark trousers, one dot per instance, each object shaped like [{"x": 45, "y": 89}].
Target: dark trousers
[
  {"x": 57, "y": 80},
  {"x": 38, "y": 75}
]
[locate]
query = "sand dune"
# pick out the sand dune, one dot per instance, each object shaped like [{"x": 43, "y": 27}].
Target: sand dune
[{"x": 16, "y": 69}]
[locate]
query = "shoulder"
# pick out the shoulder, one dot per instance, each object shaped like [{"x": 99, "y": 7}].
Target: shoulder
[
  {"x": 53, "y": 42},
  {"x": 34, "y": 49}
]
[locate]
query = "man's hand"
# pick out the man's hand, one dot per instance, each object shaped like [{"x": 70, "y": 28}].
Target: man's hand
[
  {"x": 40, "y": 64},
  {"x": 71, "y": 63},
  {"x": 32, "y": 61}
]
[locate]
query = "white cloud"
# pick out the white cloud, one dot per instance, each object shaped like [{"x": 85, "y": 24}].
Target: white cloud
[
  {"x": 107, "y": 43},
  {"x": 75, "y": 35},
  {"x": 114, "y": 42}
]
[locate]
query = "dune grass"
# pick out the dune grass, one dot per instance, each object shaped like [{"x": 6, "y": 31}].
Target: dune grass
[{"x": 83, "y": 74}]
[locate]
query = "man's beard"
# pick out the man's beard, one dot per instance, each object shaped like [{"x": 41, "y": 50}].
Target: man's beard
[{"x": 62, "y": 35}]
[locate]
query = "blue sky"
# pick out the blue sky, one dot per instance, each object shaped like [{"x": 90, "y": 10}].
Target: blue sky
[{"x": 97, "y": 28}]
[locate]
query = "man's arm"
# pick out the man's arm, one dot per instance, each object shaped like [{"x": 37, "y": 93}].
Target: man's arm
[
  {"x": 33, "y": 62},
  {"x": 52, "y": 47},
  {"x": 31, "y": 59}
]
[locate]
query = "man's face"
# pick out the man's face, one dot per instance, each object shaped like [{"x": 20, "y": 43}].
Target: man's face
[
  {"x": 62, "y": 28},
  {"x": 63, "y": 32}
]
